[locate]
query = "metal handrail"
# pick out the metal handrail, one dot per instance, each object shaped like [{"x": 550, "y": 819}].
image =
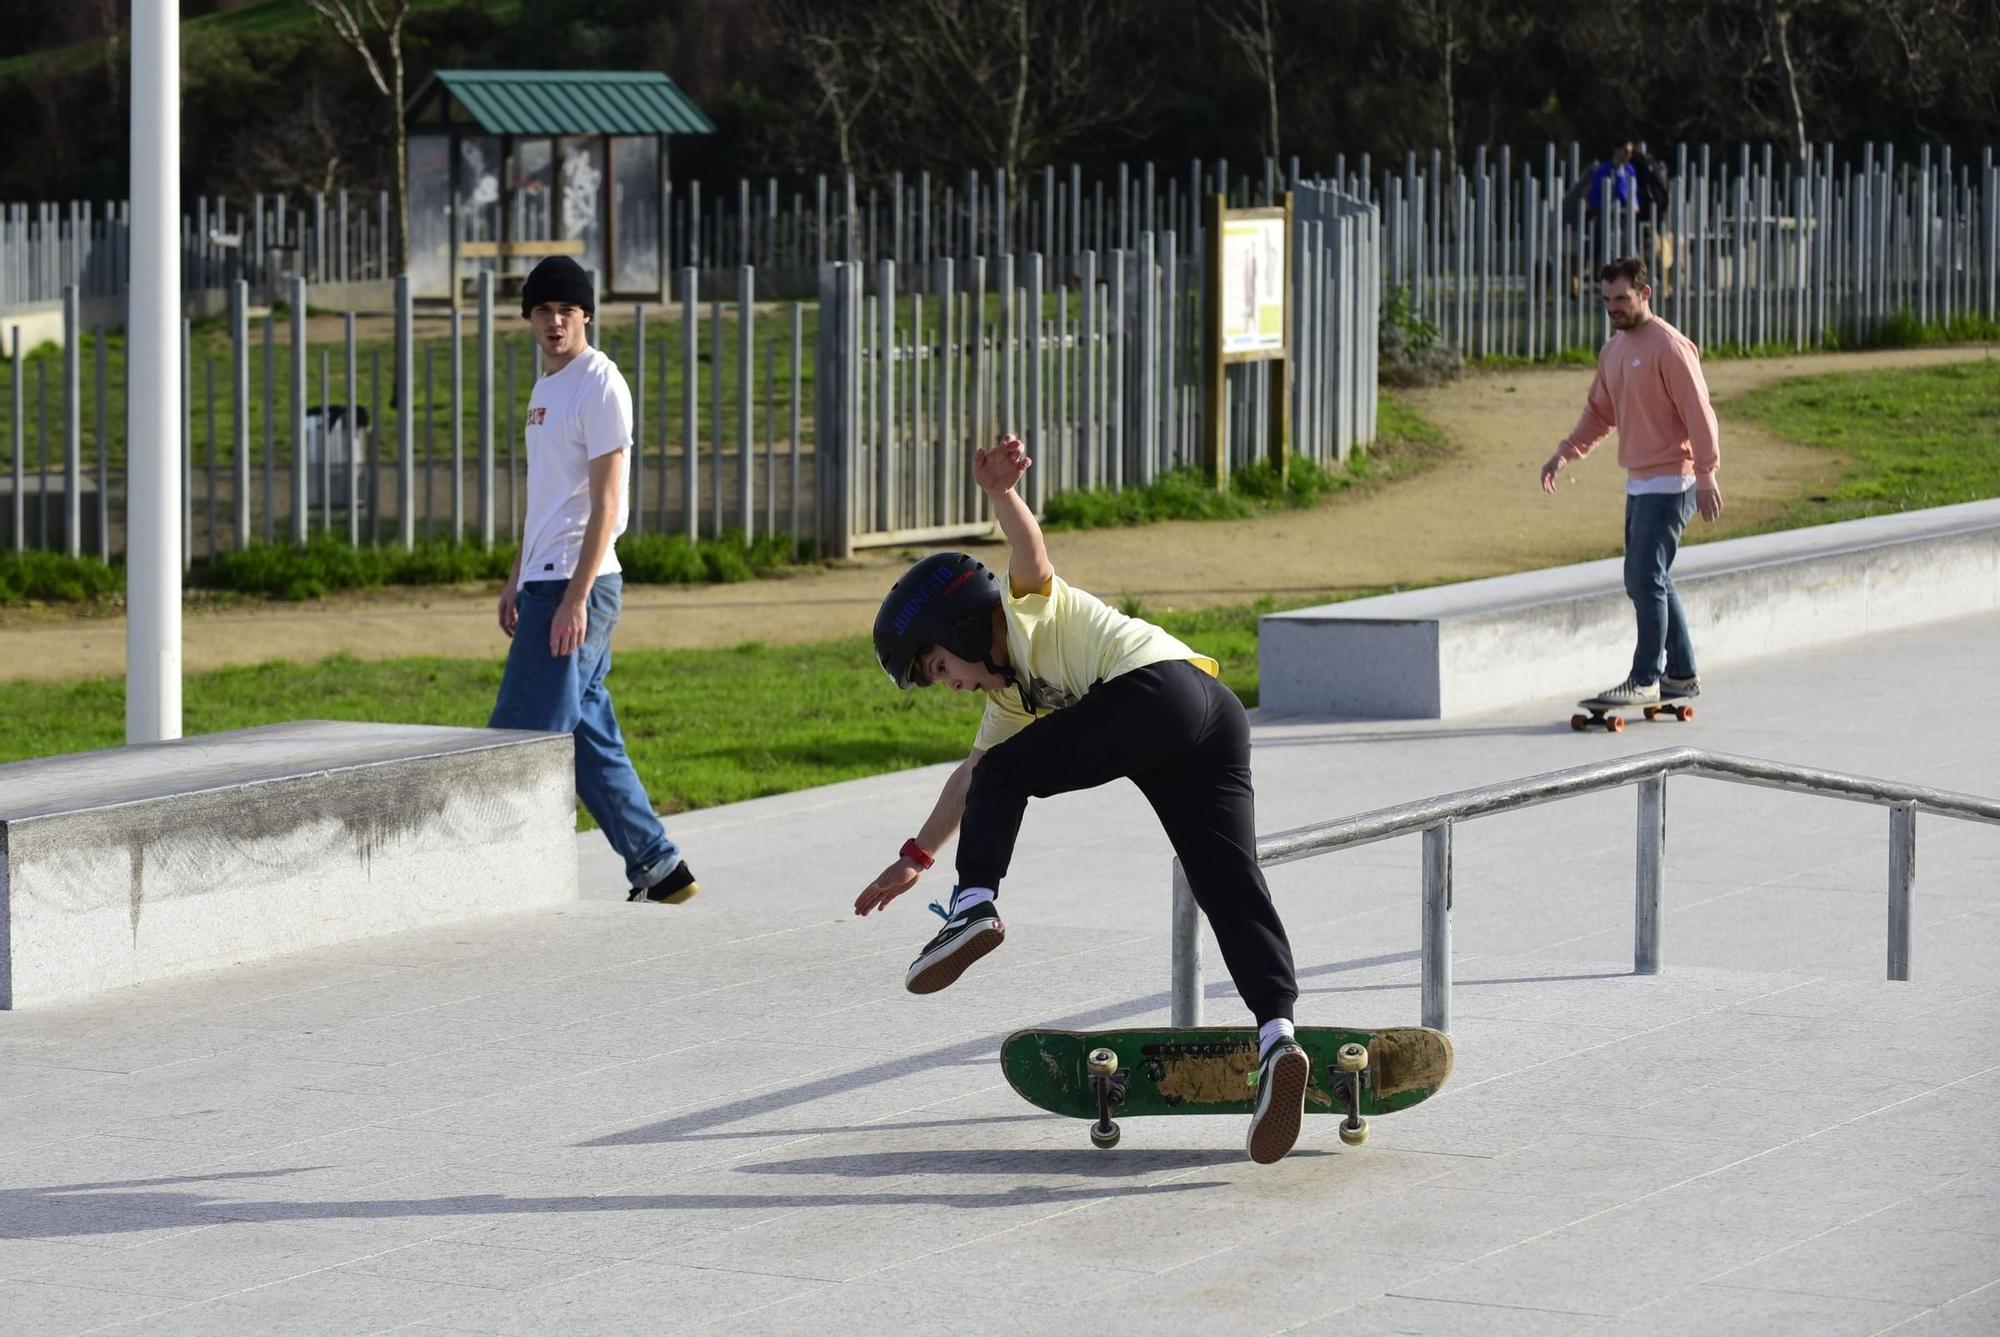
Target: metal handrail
[{"x": 1435, "y": 817}]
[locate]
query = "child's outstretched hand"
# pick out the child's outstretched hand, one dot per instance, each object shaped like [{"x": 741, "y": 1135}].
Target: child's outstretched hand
[
  {"x": 997, "y": 468},
  {"x": 896, "y": 879}
]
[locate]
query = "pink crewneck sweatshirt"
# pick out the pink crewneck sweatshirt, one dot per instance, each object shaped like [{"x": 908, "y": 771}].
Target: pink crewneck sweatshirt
[{"x": 1649, "y": 386}]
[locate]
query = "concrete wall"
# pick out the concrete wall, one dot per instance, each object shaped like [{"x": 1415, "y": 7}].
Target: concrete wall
[
  {"x": 141, "y": 863},
  {"x": 1486, "y": 644}
]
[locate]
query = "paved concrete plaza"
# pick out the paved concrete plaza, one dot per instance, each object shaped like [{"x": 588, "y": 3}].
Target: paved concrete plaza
[{"x": 729, "y": 1117}]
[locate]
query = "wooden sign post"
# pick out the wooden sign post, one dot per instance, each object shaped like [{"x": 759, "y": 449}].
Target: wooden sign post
[{"x": 1246, "y": 317}]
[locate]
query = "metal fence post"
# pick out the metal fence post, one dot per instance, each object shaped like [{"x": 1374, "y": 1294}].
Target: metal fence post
[
  {"x": 1902, "y": 881},
  {"x": 746, "y": 443},
  {"x": 1436, "y": 977},
  {"x": 301, "y": 513},
  {"x": 1187, "y": 991},
  {"x": 406, "y": 415},
  {"x": 19, "y": 442},
  {"x": 485, "y": 407},
  {"x": 239, "y": 403},
  {"x": 72, "y": 319},
  {"x": 1650, "y": 875},
  {"x": 690, "y": 403}
]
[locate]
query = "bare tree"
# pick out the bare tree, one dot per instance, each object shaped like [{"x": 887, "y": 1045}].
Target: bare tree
[
  {"x": 1249, "y": 25},
  {"x": 1009, "y": 82},
  {"x": 355, "y": 22},
  {"x": 1778, "y": 34},
  {"x": 1437, "y": 20},
  {"x": 312, "y": 147},
  {"x": 847, "y": 64}
]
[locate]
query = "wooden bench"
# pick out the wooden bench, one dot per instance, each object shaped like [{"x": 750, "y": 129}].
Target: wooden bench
[{"x": 507, "y": 282}]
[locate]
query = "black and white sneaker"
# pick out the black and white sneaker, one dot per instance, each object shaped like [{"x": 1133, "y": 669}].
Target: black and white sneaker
[
  {"x": 1281, "y": 1102},
  {"x": 967, "y": 935}
]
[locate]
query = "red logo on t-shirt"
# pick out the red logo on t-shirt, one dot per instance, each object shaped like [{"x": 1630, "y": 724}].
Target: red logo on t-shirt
[{"x": 537, "y": 416}]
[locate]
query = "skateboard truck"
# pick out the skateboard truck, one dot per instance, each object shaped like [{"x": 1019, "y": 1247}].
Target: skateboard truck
[
  {"x": 1109, "y": 1083},
  {"x": 1352, "y": 1060}
]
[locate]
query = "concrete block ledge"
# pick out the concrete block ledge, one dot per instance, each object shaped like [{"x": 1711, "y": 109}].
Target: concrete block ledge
[
  {"x": 1487, "y": 644},
  {"x": 141, "y": 863}
]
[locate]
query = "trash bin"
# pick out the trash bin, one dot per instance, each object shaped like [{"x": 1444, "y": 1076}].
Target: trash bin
[{"x": 332, "y": 451}]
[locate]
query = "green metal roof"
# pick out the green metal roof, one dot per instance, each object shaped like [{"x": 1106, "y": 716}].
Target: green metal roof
[{"x": 575, "y": 102}]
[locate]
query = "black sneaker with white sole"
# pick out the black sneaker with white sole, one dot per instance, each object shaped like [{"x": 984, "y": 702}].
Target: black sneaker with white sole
[
  {"x": 676, "y": 888},
  {"x": 1281, "y": 1102},
  {"x": 967, "y": 935}
]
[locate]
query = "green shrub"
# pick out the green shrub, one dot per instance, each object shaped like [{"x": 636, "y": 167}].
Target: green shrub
[
  {"x": 1411, "y": 350},
  {"x": 48, "y": 577}
]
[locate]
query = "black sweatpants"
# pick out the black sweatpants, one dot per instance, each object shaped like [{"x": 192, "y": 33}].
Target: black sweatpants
[{"x": 1182, "y": 737}]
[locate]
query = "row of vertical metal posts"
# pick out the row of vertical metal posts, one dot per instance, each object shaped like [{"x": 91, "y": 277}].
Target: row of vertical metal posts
[
  {"x": 1502, "y": 261},
  {"x": 45, "y": 246},
  {"x": 1101, "y": 380},
  {"x": 355, "y": 488}
]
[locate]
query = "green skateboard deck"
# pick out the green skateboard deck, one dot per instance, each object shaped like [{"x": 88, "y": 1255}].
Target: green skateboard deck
[{"x": 1206, "y": 1070}]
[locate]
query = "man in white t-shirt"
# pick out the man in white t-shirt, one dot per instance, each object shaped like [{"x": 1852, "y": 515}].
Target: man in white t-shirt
[{"x": 562, "y": 599}]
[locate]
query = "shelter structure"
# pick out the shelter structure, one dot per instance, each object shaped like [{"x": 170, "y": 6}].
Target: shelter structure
[{"x": 507, "y": 166}]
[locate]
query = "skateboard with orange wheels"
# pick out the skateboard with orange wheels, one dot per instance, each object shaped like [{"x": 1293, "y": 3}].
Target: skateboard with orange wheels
[
  {"x": 1211, "y": 1070},
  {"x": 1607, "y": 713}
]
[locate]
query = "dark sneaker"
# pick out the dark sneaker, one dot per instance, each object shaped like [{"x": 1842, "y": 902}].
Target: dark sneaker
[
  {"x": 676, "y": 888},
  {"x": 1688, "y": 686},
  {"x": 1281, "y": 1102},
  {"x": 967, "y": 935}
]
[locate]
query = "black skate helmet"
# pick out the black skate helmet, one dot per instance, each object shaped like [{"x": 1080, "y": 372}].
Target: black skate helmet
[{"x": 946, "y": 599}]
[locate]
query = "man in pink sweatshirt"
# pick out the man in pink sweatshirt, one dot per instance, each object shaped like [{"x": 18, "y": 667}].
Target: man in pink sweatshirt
[{"x": 1649, "y": 386}]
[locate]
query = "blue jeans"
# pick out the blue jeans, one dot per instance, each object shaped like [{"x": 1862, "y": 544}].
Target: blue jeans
[
  {"x": 567, "y": 695},
  {"x": 1653, "y": 525}
]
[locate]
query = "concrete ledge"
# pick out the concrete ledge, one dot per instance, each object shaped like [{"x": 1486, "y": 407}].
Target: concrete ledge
[
  {"x": 1485, "y": 644},
  {"x": 145, "y": 862}
]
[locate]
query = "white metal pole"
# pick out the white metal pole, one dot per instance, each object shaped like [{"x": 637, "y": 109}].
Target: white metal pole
[{"x": 153, "y": 409}]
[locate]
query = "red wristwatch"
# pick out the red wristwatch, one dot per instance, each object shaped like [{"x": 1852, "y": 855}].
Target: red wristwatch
[{"x": 916, "y": 853}]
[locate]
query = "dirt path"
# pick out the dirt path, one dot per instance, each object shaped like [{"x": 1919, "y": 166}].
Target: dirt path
[{"x": 1479, "y": 515}]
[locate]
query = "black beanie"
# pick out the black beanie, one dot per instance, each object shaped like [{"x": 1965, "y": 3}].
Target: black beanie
[{"x": 558, "y": 279}]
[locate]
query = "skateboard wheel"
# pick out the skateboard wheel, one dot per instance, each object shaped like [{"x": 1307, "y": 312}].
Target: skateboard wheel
[
  {"x": 1653, "y": 712},
  {"x": 1615, "y": 723},
  {"x": 1579, "y": 722},
  {"x": 1104, "y": 1139},
  {"x": 1102, "y": 1063},
  {"x": 1351, "y": 1058},
  {"x": 1355, "y": 1134},
  {"x": 1684, "y": 713}
]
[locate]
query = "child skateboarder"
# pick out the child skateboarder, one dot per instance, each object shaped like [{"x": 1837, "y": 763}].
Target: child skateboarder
[{"x": 1078, "y": 694}]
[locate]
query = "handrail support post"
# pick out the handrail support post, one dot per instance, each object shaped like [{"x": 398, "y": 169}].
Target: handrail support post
[
  {"x": 1187, "y": 952},
  {"x": 1650, "y": 875},
  {"x": 1902, "y": 881},
  {"x": 1436, "y": 980}
]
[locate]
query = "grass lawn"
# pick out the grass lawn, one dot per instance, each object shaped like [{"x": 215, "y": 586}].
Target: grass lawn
[
  {"x": 1917, "y": 437},
  {"x": 703, "y": 726}
]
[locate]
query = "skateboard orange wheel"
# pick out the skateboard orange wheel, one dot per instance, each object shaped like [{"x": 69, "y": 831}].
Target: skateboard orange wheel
[
  {"x": 1615, "y": 723},
  {"x": 1355, "y": 1135},
  {"x": 1104, "y": 1139},
  {"x": 1351, "y": 1058},
  {"x": 1579, "y": 722},
  {"x": 1102, "y": 1062},
  {"x": 1653, "y": 712},
  {"x": 1684, "y": 713}
]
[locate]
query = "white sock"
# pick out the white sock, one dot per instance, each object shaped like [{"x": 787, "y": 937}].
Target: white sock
[
  {"x": 1270, "y": 1033},
  {"x": 967, "y": 897}
]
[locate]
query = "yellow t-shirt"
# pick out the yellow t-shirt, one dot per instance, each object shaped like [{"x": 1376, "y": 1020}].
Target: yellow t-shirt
[{"x": 1062, "y": 641}]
